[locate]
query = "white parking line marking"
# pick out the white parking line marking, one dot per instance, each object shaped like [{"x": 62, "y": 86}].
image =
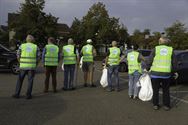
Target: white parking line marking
[{"x": 179, "y": 99}]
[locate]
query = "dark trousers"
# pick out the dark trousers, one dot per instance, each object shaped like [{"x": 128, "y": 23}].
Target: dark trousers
[
  {"x": 165, "y": 83},
  {"x": 69, "y": 76},
  {"x": 113, "y": 70},
  {"x": 21, "y": 76},
  {"x": 50, "y": 71}
]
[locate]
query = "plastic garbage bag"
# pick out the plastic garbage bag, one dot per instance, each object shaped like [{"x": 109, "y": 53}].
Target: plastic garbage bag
[
  {"x": 81, "y": 62},
  {"x": 146, "y": 91},
  {"x": 62, "y": 67},
  {"x": 104, "y": 78}
]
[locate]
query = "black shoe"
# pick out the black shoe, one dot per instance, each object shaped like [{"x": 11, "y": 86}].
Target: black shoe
[
  {"x": 156, "y": 107},
  {"x": 92, "y": 85},
  {"x": 131, "y": 97},
  {"x": 166, "y": 108},
  {"x": 85, "y": 85},
  {"x": 15, "y": 96},
  {"x": 135, "y": 97},
  {"x": 72, "y": 88},
  {"x": 65, "y": 89},
  {"x": 109, "y": 89},
  {"x": 54, "y": 91},
  {"x": 29, "y": 97}
]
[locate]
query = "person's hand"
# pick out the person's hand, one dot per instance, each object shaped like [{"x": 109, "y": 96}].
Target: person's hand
[
  {"x": 176, "y": 75},
  {"x": 145, "y": 71}
]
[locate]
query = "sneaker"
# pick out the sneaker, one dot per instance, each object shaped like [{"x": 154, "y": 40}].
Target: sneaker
[
  {"x": 131, "y": 96},
  {"x": 156, "y": 107},
  {"x": 135, "y": 97},
  {"x": 166, "y": 108},
  {"x": 15, "y": 96}
]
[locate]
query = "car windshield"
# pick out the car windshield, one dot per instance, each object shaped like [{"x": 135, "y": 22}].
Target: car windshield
[{"x": 4, "y": 47}]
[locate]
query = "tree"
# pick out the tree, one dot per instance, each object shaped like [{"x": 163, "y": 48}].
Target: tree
[
  {"x": 32, "y": 20},
  {"x": 97, "y": 25},
  {"x": 178, "y": 35}
]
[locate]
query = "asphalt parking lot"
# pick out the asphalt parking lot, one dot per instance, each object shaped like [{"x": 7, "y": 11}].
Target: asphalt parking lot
[{"x": 85, "y": 106}]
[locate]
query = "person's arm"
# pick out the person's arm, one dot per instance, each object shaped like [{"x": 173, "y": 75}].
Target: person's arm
[
  {"x": 43, "y": 55},
  {"x": 38, "y": 55},
  {"x": 19, "y": 54},
  {"x": 107, "y": 56},
  {"x": 150, "y": 60},
  {"x": 141, "y": 58},
  {"x": 94, "y": 52}
]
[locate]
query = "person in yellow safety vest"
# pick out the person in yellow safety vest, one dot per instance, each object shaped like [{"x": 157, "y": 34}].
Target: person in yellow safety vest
[
  {"x": 134, "y": 59},
  {"x": 112, "y": 62},
  {"x": 88, "y": 52},
  {"x": 70, "y": 59},
  {"x": 50, "y": 58},
  {"x": 28, "y": 56},
  {"x": 162, "y": 63}
]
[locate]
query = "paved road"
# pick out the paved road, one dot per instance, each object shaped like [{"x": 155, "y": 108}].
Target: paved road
[{"x": 84, "y": 106}]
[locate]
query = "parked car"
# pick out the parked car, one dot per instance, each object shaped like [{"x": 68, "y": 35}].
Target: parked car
[
  {"x": 182, "y": 65},
  {"x": 123, "y": 64},
  {"x": 8, "y": 60}
]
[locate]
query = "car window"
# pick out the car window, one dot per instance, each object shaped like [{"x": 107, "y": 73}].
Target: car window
[
  {"x": 184, "y": 57},
  {"x": 145, "y": 52}
]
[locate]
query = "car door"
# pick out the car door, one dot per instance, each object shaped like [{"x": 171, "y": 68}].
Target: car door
[
  {"x": 183, "y": 66},
  {"x": 2, "y": 57}
]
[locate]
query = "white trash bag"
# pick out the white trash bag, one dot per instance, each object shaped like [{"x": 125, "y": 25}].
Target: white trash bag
[
  {"x": 81, "y": 62},
  {"x": 146, "y": 91},
  {"x": 104, "y": 78},
  {"x": 62, "y": 66}
]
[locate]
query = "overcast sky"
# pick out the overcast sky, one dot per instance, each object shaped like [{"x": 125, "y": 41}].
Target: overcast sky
[{"x": 135, "y": 14}]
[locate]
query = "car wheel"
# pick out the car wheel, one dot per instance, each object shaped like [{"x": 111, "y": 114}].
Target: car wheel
[
  {"x": 14, "y": 67},
  {"x": 123, "y": 67}
]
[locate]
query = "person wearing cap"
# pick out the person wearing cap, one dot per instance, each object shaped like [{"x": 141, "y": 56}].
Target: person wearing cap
[
  {"x": 112, "y": 62},
  {"x": 134, "y": 59},
  {"x": 70, "y": 59},
  {"x": 50, "y": 59},
  {"x": 162, "y": 64},
  {"x": 28, "y": 56},
  {"x": 88, "y": 52}
]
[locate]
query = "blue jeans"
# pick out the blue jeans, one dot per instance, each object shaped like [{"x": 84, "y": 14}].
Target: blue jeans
[
  {"x": 69, "y": 76},
  {"x": 21, "y": 76},
  {"x": 111, "y": 70},
  {"x": 133, "y": 79}
]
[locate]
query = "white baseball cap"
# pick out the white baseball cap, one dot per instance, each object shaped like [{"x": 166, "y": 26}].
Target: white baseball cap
[{"x": 89, "y": 41}]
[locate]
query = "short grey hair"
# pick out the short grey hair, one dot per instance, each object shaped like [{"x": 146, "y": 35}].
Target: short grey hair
[
  {"x": 114, "y": 43},
  {"x": 164, "y": 40},
  {"x": 70, "y": 41},
  {"x": 30, "y": 38}
]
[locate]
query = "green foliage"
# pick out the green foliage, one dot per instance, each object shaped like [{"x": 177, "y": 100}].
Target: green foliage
[
  {"x": 32, "y": 20},
  {"x": 97, "y": 25},
  {"x": 4, "y": 37},
  {"x": 178, "y": 35}
]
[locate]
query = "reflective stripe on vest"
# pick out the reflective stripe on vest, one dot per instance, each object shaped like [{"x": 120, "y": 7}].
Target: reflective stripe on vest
[
  {"x": 87, "y": 53},
  {"x": 114, "y": 57},
  {"x": 51, "y": 56},
  {"x": 133, "y": 64},
  {"x": 69, "y": 57},
  {"x": 162, "y": 59},
  {"x": 28, "y": 55}
]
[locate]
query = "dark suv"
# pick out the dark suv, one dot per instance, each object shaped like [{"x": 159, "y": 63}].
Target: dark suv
[
  {"x": 8, "y": 60},
  {"x": 182, "y": 66}
]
